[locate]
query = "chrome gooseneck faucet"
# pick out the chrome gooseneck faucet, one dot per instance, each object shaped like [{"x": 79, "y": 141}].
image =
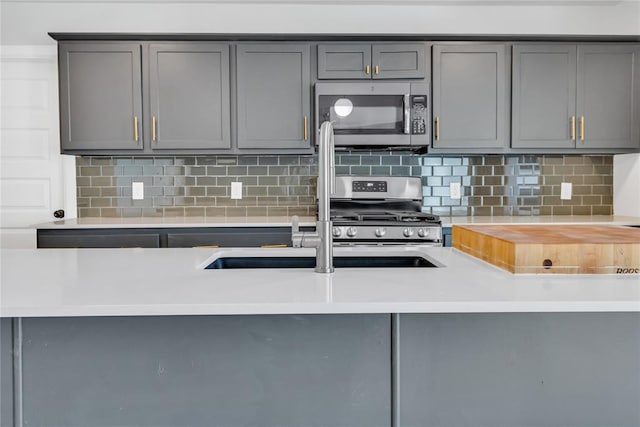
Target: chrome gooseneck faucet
[{"x": 321, "y": 239}]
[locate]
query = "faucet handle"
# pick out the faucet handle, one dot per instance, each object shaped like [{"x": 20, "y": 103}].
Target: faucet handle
[{"x": 295, "y": 224}]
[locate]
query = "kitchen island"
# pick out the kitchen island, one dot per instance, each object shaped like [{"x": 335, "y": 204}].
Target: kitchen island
[{"x": 149, "y": 337}]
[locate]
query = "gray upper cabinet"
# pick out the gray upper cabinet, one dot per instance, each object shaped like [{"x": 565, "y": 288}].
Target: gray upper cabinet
[
  {"x": 608, "y": 96},
  {"x": 544, "y": 93},
  {"x": 344, "y": 61},
  {"x": 367, "y": 61},
  {"x": 575, "y": 96},
  {"x": 273, "y": 96},
  {"x": 189, "y": 96},
  {"x": 470, "y": 96},
  {"x": 100, "y": 96}
]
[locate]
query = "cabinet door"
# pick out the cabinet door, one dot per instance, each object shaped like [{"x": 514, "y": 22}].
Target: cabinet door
[
  {"x": 399, "y": 61},
  {"x": 608, "y": 96},
  {"x": 189, "y": 96},
  {"x": 100, "y": 96},
  {"x": 344, "y": 61},
  {"x": 469, "y": 96},
  {"x": 274, "y": 96},
  {"x": 544, "y": 94}
]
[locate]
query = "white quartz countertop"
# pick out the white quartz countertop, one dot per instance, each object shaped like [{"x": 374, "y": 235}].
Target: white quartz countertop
[
  {"x": 124, "y": 282},
  {"x": 264, "y": 221}
]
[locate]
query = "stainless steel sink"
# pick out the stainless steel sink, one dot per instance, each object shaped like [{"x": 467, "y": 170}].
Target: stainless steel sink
[
  {"x": 310, "y": 262},
  {"x": 345, "y": 257}
]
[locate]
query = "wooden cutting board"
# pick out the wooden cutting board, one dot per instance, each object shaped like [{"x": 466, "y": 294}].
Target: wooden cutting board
[{"x": 580, "y": 249}]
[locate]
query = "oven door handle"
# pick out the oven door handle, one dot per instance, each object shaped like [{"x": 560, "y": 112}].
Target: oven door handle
[{"x": 407, "y": 110}]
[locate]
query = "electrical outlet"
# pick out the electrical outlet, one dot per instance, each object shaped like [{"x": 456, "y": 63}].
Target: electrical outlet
[
  {"x": 137, "y": 190},
  {"x": 454, "y": 190},
  {"x": 565, "y": 191},
  {"x": 236, "y": 190}
]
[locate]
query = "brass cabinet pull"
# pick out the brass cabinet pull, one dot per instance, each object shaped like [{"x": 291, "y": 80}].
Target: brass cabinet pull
[
  {"x": 306, "y": 132},
  {"x": 581, "y": 128},
  {"x": 573, "y": 128},
  {"x": 135, "y": 128},
  {"x": 376, "y": 70},
  {"x": 437, "y": 128},
  {"x": 153, "y": 128},
  {"x": 367, "y": 69}
]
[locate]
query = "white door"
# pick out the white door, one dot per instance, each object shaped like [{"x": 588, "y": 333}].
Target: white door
[{"x": 32, "y": 171}]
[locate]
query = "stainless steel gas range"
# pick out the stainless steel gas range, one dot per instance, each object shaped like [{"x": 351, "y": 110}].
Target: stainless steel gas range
[{"x": 382, "y": 210}]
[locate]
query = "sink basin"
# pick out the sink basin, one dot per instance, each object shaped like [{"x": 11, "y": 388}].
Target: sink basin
[{"x": 235, "y": 262}]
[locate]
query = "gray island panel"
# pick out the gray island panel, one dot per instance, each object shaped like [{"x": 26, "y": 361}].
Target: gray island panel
[
  {"x": 519, "y": 370},
  {"x": 207, "y": 371}
]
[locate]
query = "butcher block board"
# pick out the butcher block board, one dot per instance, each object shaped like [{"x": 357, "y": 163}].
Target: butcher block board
[{"x": 566, "y": 249}]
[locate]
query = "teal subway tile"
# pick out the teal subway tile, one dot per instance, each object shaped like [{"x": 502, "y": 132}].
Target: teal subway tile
[
  {"x": 432, "y": 161},
  {"x": 298, "y": 170},
  {"x": 390, "y": 160},
  {"x": 174, "y": 170},
  {"x": 380, "y": 170},
  {"x": 278, "y": 170},
  {"x": 237, "y": 170},
  {"x": 185, "y": 180},
  {"x": 142, "y": 161},
  {"x": 216, "y": 191},
  {"x": 452, "y": 161},
  {"x": 441, "y": 170},
  {"x": 288, "y": 160},
  {"x": 257, "y": 170},
  {"x": 370, "y": 160},
  {"x": 206, "y": 180},
  {"x": 268, "y": 180},
  {"x": 152, "y": 170},
  {"x": 217, "y": 170},
  {"x": 247, "y": 160},
  {"x": 206, "y": 160},
  {"x": 163, "y": 161},
  {"x": 267, "y": 160},
  {"x": 195, "y": 170}
]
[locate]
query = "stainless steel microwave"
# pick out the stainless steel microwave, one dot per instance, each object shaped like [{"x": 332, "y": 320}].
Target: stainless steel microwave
[{"x": 375, "y": 114}]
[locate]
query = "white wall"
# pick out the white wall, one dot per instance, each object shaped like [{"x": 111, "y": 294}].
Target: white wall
[
  {"x": 626, "y": 184},
  {"x": 28, "y": 21}
]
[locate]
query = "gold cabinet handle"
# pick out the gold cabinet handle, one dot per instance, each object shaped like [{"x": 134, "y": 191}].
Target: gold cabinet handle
[
  {"x": 376, "y": 70},
  {"x": 135, "y": 128},
  {"x": 153, "y": 128},
  {"x": 573, "y": 128},
  {"x": 581, "y": 128},
  {"x": 306, "y": 132},
  {"x": 437, "y": 128},
  {"x": 367, "y": 69}
]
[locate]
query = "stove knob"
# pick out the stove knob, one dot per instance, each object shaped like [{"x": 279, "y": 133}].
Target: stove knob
[
  {"x": 381, "y": 232},
  {"x": 352, "y": 231},
  {"x": 423, "y": 232},
  {"x": 408, "y": 232},
  {"x": 337, "y": 232}
]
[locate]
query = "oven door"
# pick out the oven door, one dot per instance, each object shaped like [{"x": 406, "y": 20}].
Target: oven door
[{"x": 378, "y": 113}]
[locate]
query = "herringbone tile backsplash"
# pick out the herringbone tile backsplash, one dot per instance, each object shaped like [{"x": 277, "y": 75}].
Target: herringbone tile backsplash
[{"x": 285, "y": 185}]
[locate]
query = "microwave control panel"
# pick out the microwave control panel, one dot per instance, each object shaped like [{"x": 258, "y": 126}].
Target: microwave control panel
[{"x": 418, "y": 114}]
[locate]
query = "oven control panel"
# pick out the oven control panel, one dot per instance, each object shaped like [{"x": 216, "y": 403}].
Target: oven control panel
[
  {"x": 369, "y": 186},
  {"x": 367, "y": 234}
]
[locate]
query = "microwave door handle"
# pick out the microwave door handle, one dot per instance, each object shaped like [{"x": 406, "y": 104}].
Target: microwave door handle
[{"x": 407, "y": 110}]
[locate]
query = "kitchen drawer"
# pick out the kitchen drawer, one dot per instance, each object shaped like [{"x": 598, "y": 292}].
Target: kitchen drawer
[
  {"x": 98, "y": 238},
  {"x": 231, "y": 237}
]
